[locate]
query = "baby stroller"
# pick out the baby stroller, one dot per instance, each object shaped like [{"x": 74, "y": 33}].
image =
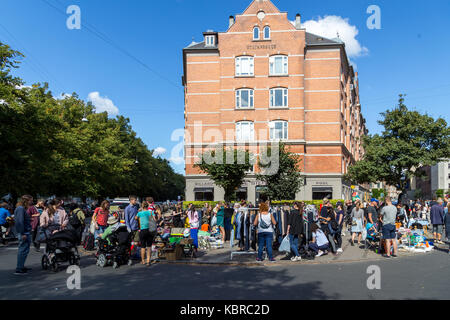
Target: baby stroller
[
  {"x": 373, "y": 240},
  {"x": 117, "y": 251},
  {"x": 60, "y": 247},
  {"x": 4, "y": 237}
]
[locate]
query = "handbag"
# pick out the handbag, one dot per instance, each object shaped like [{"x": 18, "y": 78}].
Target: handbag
[
  {"x": 262, "y": 224},
  {"x": 152, "y": 227}
]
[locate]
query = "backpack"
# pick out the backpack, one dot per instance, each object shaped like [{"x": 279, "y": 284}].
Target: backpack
[
  {"x": 74, "y": 221},
  {"x": 88, "y": 243},
  {"x": 306, "y": 253}
]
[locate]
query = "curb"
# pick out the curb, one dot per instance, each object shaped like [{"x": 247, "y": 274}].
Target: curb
[{"x": 278, "y": 264}]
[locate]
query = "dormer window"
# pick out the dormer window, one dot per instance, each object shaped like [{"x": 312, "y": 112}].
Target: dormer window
[
  {"x": 210, "y": 41},
  {"x": 255, "y": 33},
  {"x": 267, "y": 33}
]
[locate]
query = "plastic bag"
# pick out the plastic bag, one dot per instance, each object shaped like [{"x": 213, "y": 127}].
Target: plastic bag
[
  {"x": 285, "y": 246},
  {"x": 92, "y": 227},
  {"x": 364, "y": 234}
]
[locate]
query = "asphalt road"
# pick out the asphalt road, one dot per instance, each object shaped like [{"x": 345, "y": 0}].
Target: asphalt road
[{"x": 423, "y": 276}]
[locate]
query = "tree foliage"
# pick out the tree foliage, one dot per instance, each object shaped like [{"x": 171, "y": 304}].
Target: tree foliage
[
  {"x": 48, "y": 149},
  {"x": 410, "y": 140},
  {"x": 227, "y": 167},
  {"x": 287, "y": 180},
  {"x": 376, "y": 193}
]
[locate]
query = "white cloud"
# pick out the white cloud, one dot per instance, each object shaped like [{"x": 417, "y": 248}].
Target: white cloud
[
  {"x": 3, "y": 102},
  {"x": 103, "y": 104},
  {"x": 330, "y": 26},
  {"x": 159, "y": 151},
  {"x": 23, "y": 87}
]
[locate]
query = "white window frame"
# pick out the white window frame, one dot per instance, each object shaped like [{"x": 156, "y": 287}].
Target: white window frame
[
  {"x": 239, "y": 61},
  {"x": 251, "y": 98},
  {"x": 284, "y": 62},
  {"x": 285, "y": 98},
  {"x": 264, "y": 33},
  {"x": 209, "y": 41},
  {"x": 284, "y": 130},
  {"x": 259, "y": 33},
  {"x": 239, "y": 131}
]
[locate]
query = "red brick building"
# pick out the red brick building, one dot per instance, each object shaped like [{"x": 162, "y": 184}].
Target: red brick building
[{"x": 267, "y": 79}]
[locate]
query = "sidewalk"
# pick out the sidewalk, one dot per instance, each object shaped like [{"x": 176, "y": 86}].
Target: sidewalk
[{"x": 351, "y": 254}]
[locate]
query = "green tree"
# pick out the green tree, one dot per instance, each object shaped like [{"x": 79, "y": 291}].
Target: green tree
[
  {"x": 440, "y": 193},
  {"x": 227, "y": 167},
  {"x": 376, "y": 193},
  {"x": 48, "y": 149},
  {"x": 287, "y": 180},
  {"x": 410, "y": 140}
]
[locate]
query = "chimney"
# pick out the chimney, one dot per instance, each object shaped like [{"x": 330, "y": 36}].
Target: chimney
[
  {"x": 298, "y": 21},
  {"x": 231, "y": 21}
]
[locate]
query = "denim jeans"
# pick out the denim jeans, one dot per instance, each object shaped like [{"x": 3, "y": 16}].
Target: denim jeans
[
  {"x": 101, "y": 229},
  {"x": 293, "y": 239},
  {"x": 265, "y": 239},
  {"x": 314, "y": 247},
  {"x": 24, "y": 249}
]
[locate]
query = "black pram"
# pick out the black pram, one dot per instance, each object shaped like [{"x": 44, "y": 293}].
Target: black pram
[
  {"x": 61, "y": 247},
  {"x": 117, "y": 251}
]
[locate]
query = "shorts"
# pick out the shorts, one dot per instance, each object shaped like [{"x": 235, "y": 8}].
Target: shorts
[
  {"x": 146, "y": 238},
  {"x": 389, "y": 232},
  {"x": 438, "y": 228}
]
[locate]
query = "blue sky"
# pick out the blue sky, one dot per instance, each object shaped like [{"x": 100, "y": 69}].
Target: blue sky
[{"x": 410, "y": 54}]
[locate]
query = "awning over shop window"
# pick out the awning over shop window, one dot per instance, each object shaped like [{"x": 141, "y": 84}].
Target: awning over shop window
[{"x": 204, "y": 190}]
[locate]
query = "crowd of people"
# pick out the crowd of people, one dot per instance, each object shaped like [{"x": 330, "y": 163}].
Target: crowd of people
[
  {"x": 322, "y": 233},
  {"x": 309, "y": 230}
]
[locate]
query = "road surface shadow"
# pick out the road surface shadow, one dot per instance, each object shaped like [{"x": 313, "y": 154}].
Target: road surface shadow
[{"x": 161, "y": 282}]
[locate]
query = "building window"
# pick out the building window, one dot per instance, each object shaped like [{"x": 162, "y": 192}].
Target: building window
[
  {"x": 244, "y": 98},
  {"x": 279, "y": 97},
  {"x": 244, "y": 131},
  {"x": 210, "y": 41},
  {"x": 278, "y": 65},
  {"x": 267, "y": 33},
  {"x": 252, "y": 170},
  {"x": 278, "y": 130},
  {"x": 255, "y": 33},
  {"x": 245, "y": 66},
  {"x": 204, "y": 194}
]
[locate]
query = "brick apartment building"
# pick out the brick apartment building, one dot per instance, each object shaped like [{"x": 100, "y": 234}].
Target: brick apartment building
[{"x": 267, "y": 79}]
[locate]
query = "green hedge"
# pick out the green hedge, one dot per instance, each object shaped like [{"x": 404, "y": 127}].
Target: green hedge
[
  {"x": 199, "y": 204},
  {"x": 317, "y": 203}
]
